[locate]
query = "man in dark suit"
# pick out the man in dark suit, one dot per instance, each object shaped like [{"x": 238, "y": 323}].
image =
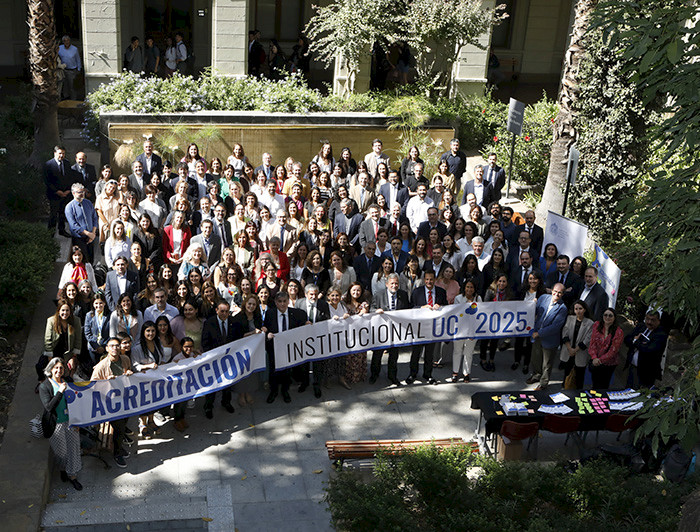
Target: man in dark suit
[
  {"x": 366, "y": 264},
  {"x": 57, "y": 178},
  {"x": 220, "y": 330},
  {"x": 394, "y": 191},
  {"x": 316, "y": 310},
  {"x": 495, "y": 175},
  {"x": 536, "y": 232},
  {"x": 86, "y": 174},
  {"x": 572, "y": 282},
  {"x": 436, "y": 264},
  {"x": 279, "y": 318},
  {"x": 524, "y": 244},
  {"x": 593, "y": 294},
  {"x": 519, "y": 275},
  {"x": 120, "y": 281},
  {"x": 347, "y": 222},
  {"x": 151, "y": 162},
  {"x": 256, "y": 53},
  {"x": 183, "y": 174},
  {"x": 222, "y": 228},
  {"x": 432, "y": 297},
  {"x": 647, "y": 344},
  {"x": 138, "y": 180},
  {"x": 209, "y": 241},
  {"x": 393, "y": 298},
  {"x": 396, "y": 254},
  {"x": 370, "y": 227},
  {"x": 266, "y": 167},
  {"x": 483, "y": 191},
  {"x": 395, "y": 220},
  {"x": 424, "y": 228}
]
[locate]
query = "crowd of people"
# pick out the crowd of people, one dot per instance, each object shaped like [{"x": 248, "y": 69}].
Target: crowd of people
[{"x": 181, "y": 257}]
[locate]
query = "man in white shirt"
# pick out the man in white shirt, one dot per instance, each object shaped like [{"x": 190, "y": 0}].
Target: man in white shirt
[
  {"x": 160, "y": 308},
  {"x": 417, "y": 207},
  {"x": 375, "y": 157},
  {"x": 271, "y": 199},
  {"x": 482, "y": 257}
]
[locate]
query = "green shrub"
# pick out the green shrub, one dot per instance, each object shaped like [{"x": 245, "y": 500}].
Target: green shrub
[
  {"x": 27, "y": 259},
  {"x": 532, "y": 148},
  {"x": 429, "y": 490}
]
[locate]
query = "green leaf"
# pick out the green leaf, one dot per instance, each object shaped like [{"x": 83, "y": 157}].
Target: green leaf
[
  {"x": 647, "y": 61},
  {"x": 674, "y": 51}
]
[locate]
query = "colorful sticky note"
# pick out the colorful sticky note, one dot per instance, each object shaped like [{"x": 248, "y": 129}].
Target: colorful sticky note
[
  {"x": 495, "y": 397},
  {"x": 523, "y": 396},
  {"x": 499, "y": 413}
]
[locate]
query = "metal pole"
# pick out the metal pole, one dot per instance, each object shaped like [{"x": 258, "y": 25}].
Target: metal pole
[
  {"x": 510, "y": 168},
  {"x": 566, "y": 189}
]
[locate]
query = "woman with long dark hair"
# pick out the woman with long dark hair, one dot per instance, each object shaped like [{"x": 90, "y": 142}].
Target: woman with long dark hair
[
  {"x": 604, "y": 349},
  {"x": 498, "y": 291},
  {"x": 147, "y": 354},
  {"x": 575, "y": 339},
  {"x": 530, "y": 291}
]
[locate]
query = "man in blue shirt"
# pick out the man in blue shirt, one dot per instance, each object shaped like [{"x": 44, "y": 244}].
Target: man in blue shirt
[
  {"x": 70, "y": 56},
  {"x": 550, "y": 317},
  {"x": 82, "y": 221}
]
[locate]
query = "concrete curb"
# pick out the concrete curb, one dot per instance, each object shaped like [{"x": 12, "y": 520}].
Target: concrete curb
[{"x": 24, "y": 463}]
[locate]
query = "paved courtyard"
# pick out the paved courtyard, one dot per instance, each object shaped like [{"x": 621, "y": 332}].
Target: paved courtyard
[{"x": 265, "y": 467}]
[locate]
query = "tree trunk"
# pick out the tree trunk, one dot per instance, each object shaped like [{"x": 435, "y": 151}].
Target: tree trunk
[
  {"x": 43, "y": 59},
  {"x": 564, "y": 130}
]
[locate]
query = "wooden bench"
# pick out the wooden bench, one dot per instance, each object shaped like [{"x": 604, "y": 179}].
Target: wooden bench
[{"x": 339, "y": 450}]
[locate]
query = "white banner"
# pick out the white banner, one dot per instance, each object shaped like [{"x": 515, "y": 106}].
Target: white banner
[
  {"x": 568, "y": 235},
  {"x": 140, "y": 393},
  {"x": 401, "y": 328},
  {"x": 608, "y": 273}
]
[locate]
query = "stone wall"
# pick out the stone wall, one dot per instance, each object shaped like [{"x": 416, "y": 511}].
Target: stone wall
[{"x": 280, "y": 134}]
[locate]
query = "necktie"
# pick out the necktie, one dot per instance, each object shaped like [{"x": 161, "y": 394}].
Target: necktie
[
  {"x": 561, "y": 278},
  {"x": 60, "y": 166},
  {"x": 312, "y": 313},
  {"x": 430, "y": 298},
  {"x": 362, "y": 197},
  {"x": 284, "y": 322},
  {"x": 223, "y": 329},
  {"x": 394, "y": 229},
  {"x": 222, "y": 231},
  {"x": 282, "y": 238},
  {"x": 393, "y": 302}
]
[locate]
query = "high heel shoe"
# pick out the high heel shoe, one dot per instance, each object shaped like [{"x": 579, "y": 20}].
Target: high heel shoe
[{"x": 455, "y": 377}]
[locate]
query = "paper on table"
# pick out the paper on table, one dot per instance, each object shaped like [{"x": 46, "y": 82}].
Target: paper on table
[{"x": 558, "y": 397}]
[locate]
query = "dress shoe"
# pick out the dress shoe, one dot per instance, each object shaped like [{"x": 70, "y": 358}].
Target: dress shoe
[
  {"x": 119, "y": 460},
  {"x": 526, "y": 369},
  {"x": 77, "y": 485},
  {"x": 540, "y": 388},
  {"x": 410, "y": 379},
  {"x": 430, "y": 380},
  {"x": 467, "y": 378},
  {"x": 492, "y": 366},
  {"x": 271, "y": 398},
  {"x": 209, "y": 414},
  {"x": 317, "y": 391},
  {"x": 302, "y": 388},
  {"x": 532, "y": 380},
  {"x": 484, "y": 364},
  {"x": 286, "y": 397},
  {"x": 395, "y": 381},
  {"x": 515, "y": 366},
  {"x": 455, "y": 377},
  {"x": 64, "y": 476},
  {"x": 372, "y": 379},
  {"x": 179, "y": 426},
  {"x": 228, "y": 407}
]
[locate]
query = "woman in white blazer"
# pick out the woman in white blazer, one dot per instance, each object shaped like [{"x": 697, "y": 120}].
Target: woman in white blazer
[{"x": 575, "y": 338}]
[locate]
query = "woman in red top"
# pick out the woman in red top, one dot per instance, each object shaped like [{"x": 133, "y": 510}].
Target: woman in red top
[
  {"x": 604, "y": 349},
  {"x": 176, "y": 239}
]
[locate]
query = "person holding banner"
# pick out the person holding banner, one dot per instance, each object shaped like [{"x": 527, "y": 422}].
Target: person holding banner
[
  {"x": 147, "y": 354},
  {"x": 64, "y": 439},
  {"x": 463, "y": 350},
  {"x": 498, "y": 291},
  {"x": 280, "y": 318},
  {"x": 250, "y": 320},
  {"x": 431, "y": 297},
  {"x": 550, "y": 317},
  {"x": 523, "y": 346},
  {"x": 219, "y": 330},
  {"x": 111, "y": 366},
  {"x": 392, "y": 298},
  {"x": 357, "y": 303},
  {"x": 316, "y": 310}
]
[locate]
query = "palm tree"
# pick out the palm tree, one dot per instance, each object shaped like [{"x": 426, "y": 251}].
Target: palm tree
[
  {"x": 564, "y": 130},
  {"x": 43, "y": 56}
]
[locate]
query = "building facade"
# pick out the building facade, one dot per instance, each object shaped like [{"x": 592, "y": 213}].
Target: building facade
[{"x": 529, "y": 45}]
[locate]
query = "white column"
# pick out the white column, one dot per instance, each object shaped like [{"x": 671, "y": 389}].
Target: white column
[
  {"x": 101, "y": 41},
  {"x": 229, "y": 54},
  {"x": 469, "y": 71}
]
